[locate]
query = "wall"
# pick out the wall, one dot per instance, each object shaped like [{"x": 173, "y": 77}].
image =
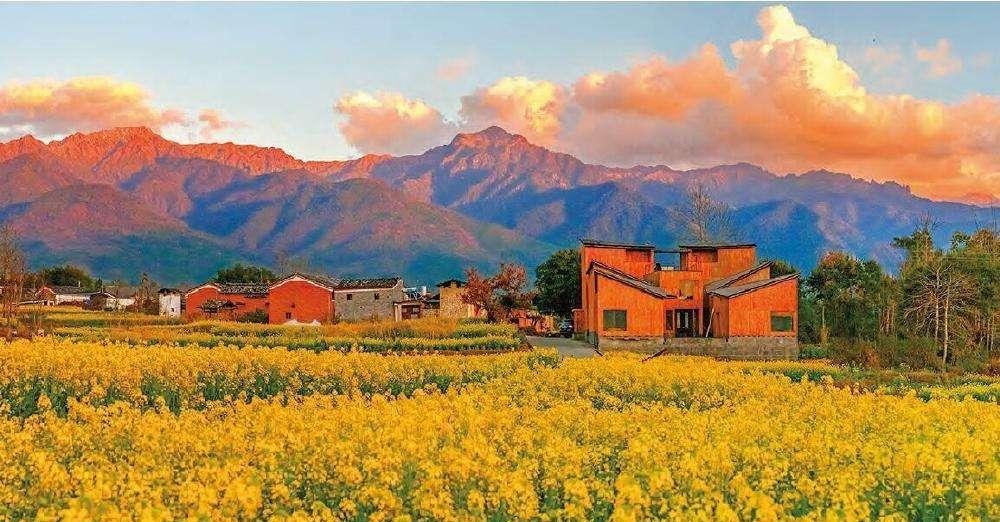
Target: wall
[
  {"x": 644, "y": 311},
  {"x": 748, "y": 348},
  {"x": 200, "y": 295},
  {"x": 749, "y": 315},
  {"x": 451, "y": 302},
  {"x": 170, "y": 305},
  {"x": 728, "y": 261},
  {"x": 364, "y": 306},
  {"x": 300, "y": 300}
]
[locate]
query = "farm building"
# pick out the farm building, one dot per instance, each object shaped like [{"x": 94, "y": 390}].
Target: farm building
[
  {"x": 62, "y": 295},
  {"x": 364, "y": 299},
  {"x": 170, "y": 302},
  {"x": 718, "y": 301},
  {"x": 299, "y": 298},
  {"x": 450, "y": 302}
]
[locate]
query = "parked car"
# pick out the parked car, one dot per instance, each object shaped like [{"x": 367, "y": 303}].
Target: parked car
[{"x": 566, "y": 328}]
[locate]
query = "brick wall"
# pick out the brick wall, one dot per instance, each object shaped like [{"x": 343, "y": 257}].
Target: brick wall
[
  {"x": 300, "y": 300},
  {"x": 362, "y": 305},
  {"x": 452, "y": 305},
  {"x": 732, "y": 348}
]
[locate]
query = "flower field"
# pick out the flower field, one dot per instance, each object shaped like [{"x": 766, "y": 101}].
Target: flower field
[{"x": 162, "y": 432}]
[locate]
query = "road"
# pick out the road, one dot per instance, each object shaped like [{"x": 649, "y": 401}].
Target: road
[{"x": 566, "y": 347}]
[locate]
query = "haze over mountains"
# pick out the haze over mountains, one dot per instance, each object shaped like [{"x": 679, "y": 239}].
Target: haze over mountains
[{"x": 124, "y": 201}]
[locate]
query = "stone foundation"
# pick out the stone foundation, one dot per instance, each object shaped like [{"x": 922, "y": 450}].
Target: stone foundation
[{"x": 724, "y": 348}]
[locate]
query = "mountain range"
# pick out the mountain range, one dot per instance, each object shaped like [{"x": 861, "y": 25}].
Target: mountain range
[{"x": 125, "y": 201}]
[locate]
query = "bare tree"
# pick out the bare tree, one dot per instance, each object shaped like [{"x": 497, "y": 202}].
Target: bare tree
[
  {"x": 707, "y": 220},
  {"x": 13, "y": 275},
  {"x": 941, "y": 298}
]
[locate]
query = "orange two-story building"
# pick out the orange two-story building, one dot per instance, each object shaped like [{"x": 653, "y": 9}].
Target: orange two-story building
[{"x": 718, "y": 301}]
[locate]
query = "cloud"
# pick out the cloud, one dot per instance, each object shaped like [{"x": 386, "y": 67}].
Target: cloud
[
  {"x": 789, "y": 103},
  {"x": 212, "y": 122},
  {"x": 880, "y": 58},
  {"x": 660, "y": 89},
  {"x": 455, "y": 68},
  {"x": 52, "y": 107},
  {"x": 388, "y": 122},
  {"x": 942, "y": 62},
  {"x": 533, "y": 108}
]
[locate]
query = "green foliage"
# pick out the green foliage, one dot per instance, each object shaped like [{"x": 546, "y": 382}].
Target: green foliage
[
  {"x": 245, "y": 274},
  {"x": 558, "y": 282},
  {"x": 255, "y": 316},
  {"x": 67, "y": 275},
  {"x": 781, "y": 267},
  {"x": 851, "y": 295}
]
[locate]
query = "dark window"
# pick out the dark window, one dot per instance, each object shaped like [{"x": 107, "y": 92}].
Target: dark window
[
  {"x": 376, "y": 297},
  {"x": 350, "y": 296},
  {"x": 781, "y": 322},
  {"x": 669, "y": 325},
  {"x": 615, "y": 320},
  {"x": 293, "y": 305},
  {"x": 288, "y": 315}
]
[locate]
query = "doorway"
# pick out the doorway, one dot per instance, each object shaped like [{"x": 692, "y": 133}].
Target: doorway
[{"x": 685, "y": 323}]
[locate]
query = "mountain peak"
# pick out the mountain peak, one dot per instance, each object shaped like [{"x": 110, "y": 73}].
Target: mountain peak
[
  {"x": 493, "y": 135},
  {"x": 22, "y": 145}
]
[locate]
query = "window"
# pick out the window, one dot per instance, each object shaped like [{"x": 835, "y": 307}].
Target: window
[
  {"x": 293, "y": 305},
  {"x": 376, "y": 297},
  {"x": 615, "y": 320},
  {"x": 288, "y": 315},
  {"x": 669, "y": 323},
  {"x": 350, "y": 296},
  {"x": 687, "y": 288},
  {"x": 781, "y": 322}
]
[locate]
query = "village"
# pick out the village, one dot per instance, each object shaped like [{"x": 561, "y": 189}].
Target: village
[{"x": 719, "y": 300}]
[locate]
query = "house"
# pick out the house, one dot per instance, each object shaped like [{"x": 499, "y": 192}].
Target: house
[
  {"x": 450, "y": 302},
  {"x": 369, "y": 298},
  {"x": 225, "y": 301},
  {"x": 112, "y": 298},
  {"x": 718, "y": 301},
  {"x": 301, "y": 298},
  {"x": 171, "y": 300},
  {"x": 62, "y": 295}
]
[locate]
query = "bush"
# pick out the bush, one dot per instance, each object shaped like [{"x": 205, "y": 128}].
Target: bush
[
  {"x": 813, "y": 351},
  {"x": 256, "y": 316},
  {"x": 886, "y": 352}
]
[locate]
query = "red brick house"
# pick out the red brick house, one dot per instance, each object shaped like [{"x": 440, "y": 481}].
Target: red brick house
[
  {"x": 226, "y": 302},
  {"x": 719, "y": 301}
]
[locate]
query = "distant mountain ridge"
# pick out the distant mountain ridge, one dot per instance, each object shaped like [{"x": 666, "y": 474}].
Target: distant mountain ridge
[{"x": 125, "y": 200}]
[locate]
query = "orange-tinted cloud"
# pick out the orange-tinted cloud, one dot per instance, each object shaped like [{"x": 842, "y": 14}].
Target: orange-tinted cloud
[
  {"x": 390, "y": 123},
  {"x": 940, "y": 59},
  {"x": 533, "y": 108},
  {"x": 51, "y": 107},
  {"x": 455, "y": 68},
  {"x": 658, "y": 88},
  {"x": 213, "y": 122}
]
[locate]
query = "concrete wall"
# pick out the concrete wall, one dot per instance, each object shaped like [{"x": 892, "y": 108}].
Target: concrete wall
[
  {"x": 731, "y": 348},
  {"x": 363, "y": 304},
  {"x": 170, "y": 305}
]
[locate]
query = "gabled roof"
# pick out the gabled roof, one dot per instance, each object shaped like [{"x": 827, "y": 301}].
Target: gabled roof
[
  {"x": 726, "y": 281},
  {"x": 622, "y": 277},
  {"x": 67, "y": 290},
  {"x": 368, "y": 283},
  {"x": 715, "y": 246},
  {"x": 318, "y": 280},
  {"x": 733, "y": 291},
  {"x": 609, "y": 244}
]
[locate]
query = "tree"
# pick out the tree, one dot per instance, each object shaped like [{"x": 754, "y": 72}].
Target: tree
[
  {"x": 500, "y": 294},
  {"x": 67, "y": 275},
  {"x": 855, "y": 298},
  {"x": 558, "y": 283},
  {"x": 780, "y": 267},
  {"x": 707, "y": 221},
  {"x": 147, "y": 299},
  {"x": 245, "y": 274},
  {"x": 13, "y": 275}
]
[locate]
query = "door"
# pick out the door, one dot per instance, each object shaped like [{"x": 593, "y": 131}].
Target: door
[{"x": 685, "y": 323}]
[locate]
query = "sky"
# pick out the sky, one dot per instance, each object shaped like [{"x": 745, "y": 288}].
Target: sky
[{"x": 900, "y": 92}]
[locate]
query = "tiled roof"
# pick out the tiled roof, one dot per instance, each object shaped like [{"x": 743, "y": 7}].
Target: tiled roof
[
  {"x": 622, "y": 277},
  {"x": 366, "y": 283},
  {"x": 68, "y": 290},
  {"x": 733, "y": 291},
  {"x": 460, "y": 282},
  {"x": 246, "y": 289},
  {"x": 611, "y": 244},
  {"x": 726, "y": 281}
]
